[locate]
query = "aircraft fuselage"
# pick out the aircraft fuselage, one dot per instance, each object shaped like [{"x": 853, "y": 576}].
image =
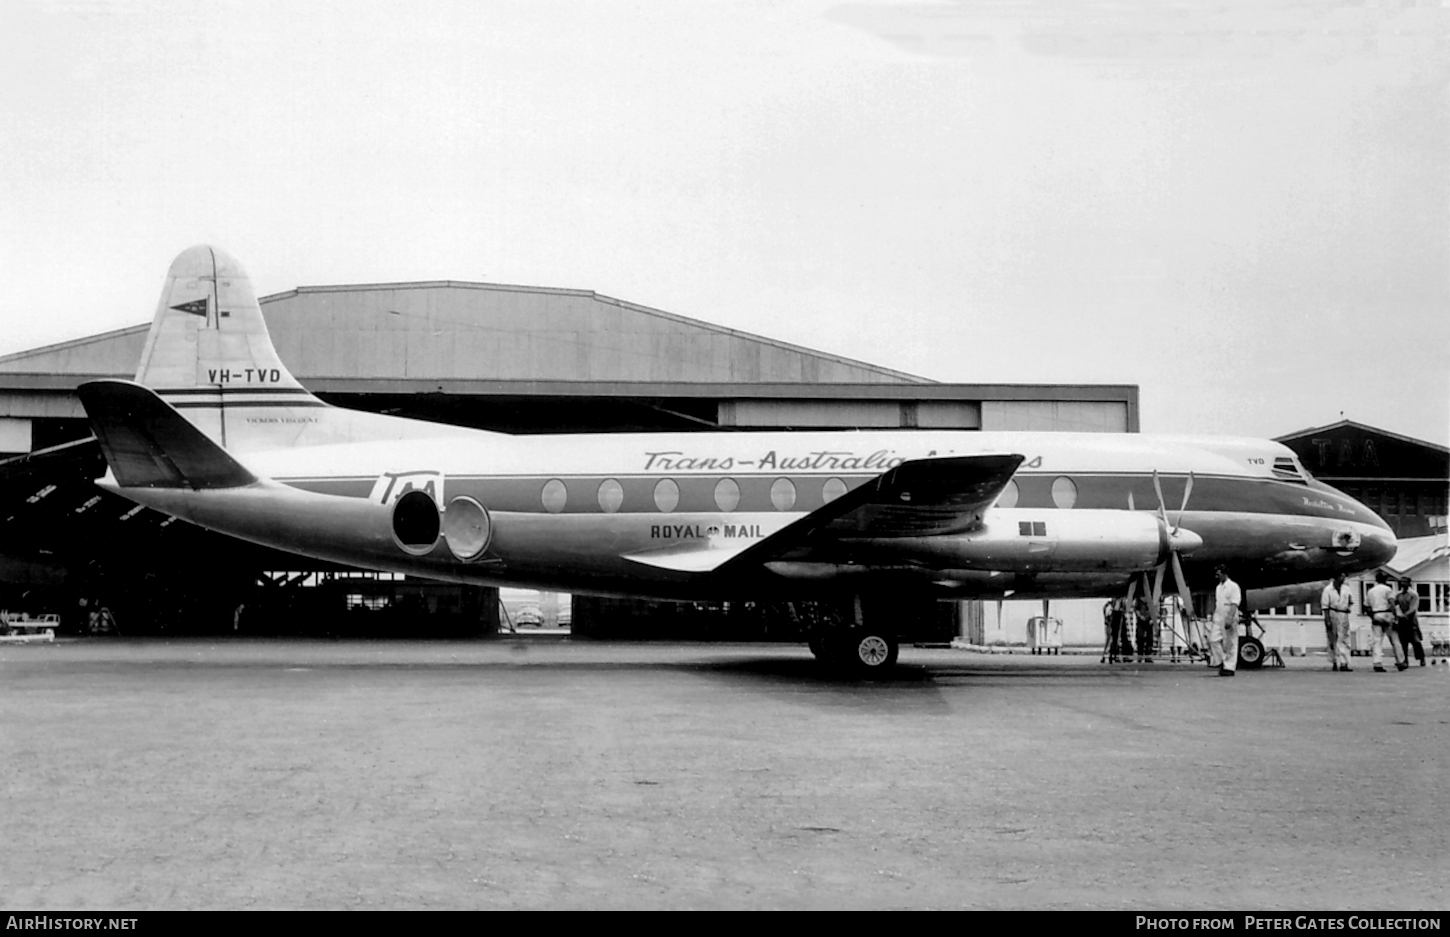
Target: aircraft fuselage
[{"x": 643, "y": 514}]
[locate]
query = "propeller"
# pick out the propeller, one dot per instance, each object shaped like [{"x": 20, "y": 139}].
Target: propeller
[{"x": 1180, "y": 541}]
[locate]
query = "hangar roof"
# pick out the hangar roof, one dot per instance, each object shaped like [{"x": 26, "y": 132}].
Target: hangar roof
[
  {"x": 536, "y": 359},
  {"x": 454, "y": 331},
  {"x": 1350, "y": 451}
]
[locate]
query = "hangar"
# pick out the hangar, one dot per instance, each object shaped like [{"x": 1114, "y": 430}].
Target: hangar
[{"x": 515, "y": 359}]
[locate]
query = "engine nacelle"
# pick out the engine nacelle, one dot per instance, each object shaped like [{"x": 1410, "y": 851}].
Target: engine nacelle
[{"x": 1024, "y": 540}]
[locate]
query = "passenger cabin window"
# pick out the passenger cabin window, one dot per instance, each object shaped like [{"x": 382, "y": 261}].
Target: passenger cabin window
[
  {"x": 554, "y": 496},
  {"x": 667, "y": 495},
  {"x": 611, "y": 495},
  {"x": 1064, "y": 492},
  {"x": 832, "y": 489},
  {"x": 782, "y": 494},
  {"x": 727, "y": 495},
  {"x": 1008, "y": 497}
]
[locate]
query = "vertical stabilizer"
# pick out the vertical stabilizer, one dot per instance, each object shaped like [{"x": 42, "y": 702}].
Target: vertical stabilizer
[{"x": 209, "y": 355}]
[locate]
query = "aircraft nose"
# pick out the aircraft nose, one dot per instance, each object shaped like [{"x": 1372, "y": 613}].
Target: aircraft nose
[{"x": 1379, "y": 546}]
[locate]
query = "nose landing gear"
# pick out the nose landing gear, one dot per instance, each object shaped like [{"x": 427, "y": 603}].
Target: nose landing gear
[{"x": 1251, "y": 653}]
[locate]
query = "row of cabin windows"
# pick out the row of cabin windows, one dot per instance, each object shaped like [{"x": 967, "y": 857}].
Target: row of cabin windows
[
  {"x": 1064, "y": 493},
  {"x": 610, "y": 495}
]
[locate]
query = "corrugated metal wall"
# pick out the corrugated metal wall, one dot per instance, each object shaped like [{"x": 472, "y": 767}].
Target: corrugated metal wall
[
  {"x": 883, "y": 414},
  {"x": 1070, "y": 416}
]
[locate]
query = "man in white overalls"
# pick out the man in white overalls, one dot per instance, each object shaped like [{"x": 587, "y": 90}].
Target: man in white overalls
[{"x": 1223, "y": 643}]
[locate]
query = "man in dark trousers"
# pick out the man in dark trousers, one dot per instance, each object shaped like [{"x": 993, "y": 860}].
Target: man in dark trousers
[
  {"x": 1115, "y": 619},
  {"x": 1144, "y": 616},
  {"x": 1407, "y": 620}
]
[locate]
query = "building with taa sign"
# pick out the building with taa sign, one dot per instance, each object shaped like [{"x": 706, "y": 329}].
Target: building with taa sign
[
  {"x": 514, "y": 359},
  {"x": 1407, "y": 482}
]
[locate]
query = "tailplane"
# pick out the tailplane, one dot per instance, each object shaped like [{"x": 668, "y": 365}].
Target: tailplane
[{"x": 148, "y": 445}]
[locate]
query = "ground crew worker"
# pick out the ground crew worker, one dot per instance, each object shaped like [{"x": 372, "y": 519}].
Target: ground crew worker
[
  {"x": 1125, "y": 634},
  {"x": 1407, "y": 621},
  {"x": 1336, "y": 600},
  {"x": 1379, "y": 601},
  {"x": 1145, "y": 628},
  {"x": 1223, "y": 643},
  {"x": 1115, "y": 615}
]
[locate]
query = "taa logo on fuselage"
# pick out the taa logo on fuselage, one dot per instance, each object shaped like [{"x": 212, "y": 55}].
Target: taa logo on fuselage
[{"x": 390, "y": 486}]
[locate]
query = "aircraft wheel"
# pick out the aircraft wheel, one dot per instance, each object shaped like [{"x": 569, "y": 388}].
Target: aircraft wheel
[
  {"x": 1251, "y": 653},
  {"x": 868, "y": 651}
]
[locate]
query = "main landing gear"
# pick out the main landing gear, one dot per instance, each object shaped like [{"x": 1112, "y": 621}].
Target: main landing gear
[
  {"x": 852, "y": 643},
  {"x": 860, "y": 651}
]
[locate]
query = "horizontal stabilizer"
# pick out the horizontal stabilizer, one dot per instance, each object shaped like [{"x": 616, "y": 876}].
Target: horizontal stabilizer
[{"x": 150, "y": 445}]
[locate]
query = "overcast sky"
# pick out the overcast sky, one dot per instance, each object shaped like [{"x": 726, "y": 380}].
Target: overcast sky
[{"x": 1245, "y": 211}]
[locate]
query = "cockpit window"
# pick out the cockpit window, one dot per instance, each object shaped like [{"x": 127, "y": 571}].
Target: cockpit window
[{"x": 1290, "y": 470}]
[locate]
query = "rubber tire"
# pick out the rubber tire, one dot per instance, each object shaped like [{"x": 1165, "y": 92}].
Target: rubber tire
[
  {"x": 1251, "y": 653},
  {"x": 867, "y": 652}
]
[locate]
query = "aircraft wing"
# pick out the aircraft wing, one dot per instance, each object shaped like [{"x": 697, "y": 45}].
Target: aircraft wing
[{"x": 921, "y": 498}]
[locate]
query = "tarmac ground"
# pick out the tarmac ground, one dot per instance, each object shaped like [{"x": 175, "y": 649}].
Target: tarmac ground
[{"x": 526, "y": 773}]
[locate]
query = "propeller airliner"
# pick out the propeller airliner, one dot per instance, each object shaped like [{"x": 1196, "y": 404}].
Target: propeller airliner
[{"x": 215, "y": 430}]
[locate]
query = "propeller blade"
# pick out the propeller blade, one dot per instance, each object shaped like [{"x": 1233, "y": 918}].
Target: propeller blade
[
  {"x": 1133, "y": 585},
  {"x": 1183, "y": 592},
  {"x": 1158, "y": 488},
  {"x": 1158, "y": 581},
  {"x": 1187, "y": 490},
  {"x": 1130, "y": 502}
]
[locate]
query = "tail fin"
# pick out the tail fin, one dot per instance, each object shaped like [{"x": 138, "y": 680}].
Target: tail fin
[{"x": 209, "y": 355}]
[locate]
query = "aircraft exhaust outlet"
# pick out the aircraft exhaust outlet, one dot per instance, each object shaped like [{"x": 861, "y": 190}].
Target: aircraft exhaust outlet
[
  {"x": 466, "y": 528},
  {"x": 416, "y": 524}
]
